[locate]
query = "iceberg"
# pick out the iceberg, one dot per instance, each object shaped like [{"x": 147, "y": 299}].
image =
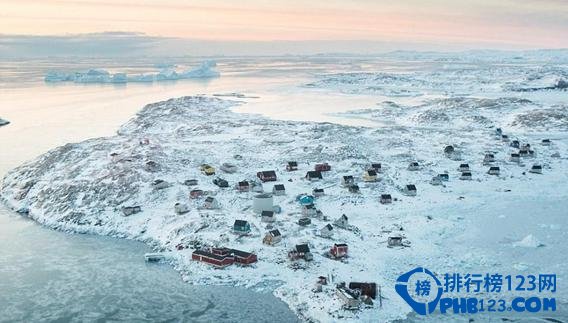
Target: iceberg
[
  {"x": 205, "y": 70},
  {"x": 141, "y": 78},
  {"x": 53, "y": 76},
  {"x": 167, "y": 73},
  {"x": 119, "y": 78}
]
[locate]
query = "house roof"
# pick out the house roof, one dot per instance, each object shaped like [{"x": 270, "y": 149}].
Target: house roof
[
  {"x": 241, "y": 254},
  {"x": 304, "y": 220},
  {"x": 209, "y": 199},
  {"x": 314, "y": 173},
  {"x": 275, "y": 233},
  {"x": 340, "y": 244},
  {"x": 328, "y": 226},
  {"x": 411, "y": 187},
  {"x": 292, "y": 163},
  {"x": 346, "y": 177},
  {"x": 279, "y": 187},
  {"x": 267, "y": 213},
  {"x": 343, "y": 216},
  {"x": 386, "y": 196},
  {"x": 318, "y": 189},
  {"x": 244, "y": 183},
  {"x": 494, "y": 168},
  {"x": 240, "y": 223},
  {"x": 376, "y": 165},
  {"x": 209, "y": 254},
  {"x": 414, "y": 164},
  {"x": 371, "y": 172},
  {"x": 464, "y": 165},
  {"x": 302, "y": 248},
  {"x": 268, "y": 173},
  {"x": 466, "y": 174},
  {"x": 536, "y": 167}
]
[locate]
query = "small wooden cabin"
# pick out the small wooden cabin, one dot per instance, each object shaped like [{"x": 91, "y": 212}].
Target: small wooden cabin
[
  {"x": 267, "y": 216},
  {"x": 386, "y": 199},
  {"x": 211, "y": 203},
  {"x": 414, "y": 166},
  {"x": 267, "y": 176},
  {"x": 370, "y": 176},
  {"x": 278, "y": 190},
  {"x": 326, "y": 231},
  {"x": 466, "y": 176},
  {"x": 347, "y": 180},
  {"x": 292, "y": 166},
  {"x": 339, "y": 250},
  {"x": 410, "y": 190},
  {"x": 313, "y": 175},
  {"x": 243, "y": 186},
  {"x": 317, "y": 192},
  {"x": 395, "y": 241},
  {"x": 324, "y": 167},
  {"x": 342, "y": 221},
  {"x": 536, "y": 169},
  {"x": 272, "y": 237}
]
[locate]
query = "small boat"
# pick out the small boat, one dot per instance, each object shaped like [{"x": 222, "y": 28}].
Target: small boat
[
  {"x": 3, "y": 122},
  {"x": 154, "y": 257}
]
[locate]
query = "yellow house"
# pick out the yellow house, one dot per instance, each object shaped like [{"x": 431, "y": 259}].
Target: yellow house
[
  {"x": 370, "y": 176},
  {"x": 207, "y": 169}
]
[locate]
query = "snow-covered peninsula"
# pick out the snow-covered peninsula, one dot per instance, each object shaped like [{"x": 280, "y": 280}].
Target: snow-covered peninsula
[{"x": 96, "y": 186}]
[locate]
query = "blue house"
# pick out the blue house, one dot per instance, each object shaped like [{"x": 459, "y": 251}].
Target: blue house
[{"x": 305, "y": 199}]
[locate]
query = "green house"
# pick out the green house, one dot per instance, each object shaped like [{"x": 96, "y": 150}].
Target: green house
[{"x": 241, "y": 227}]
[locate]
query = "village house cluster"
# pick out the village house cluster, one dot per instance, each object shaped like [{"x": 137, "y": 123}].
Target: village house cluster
[{"x": 263, "y": 206}]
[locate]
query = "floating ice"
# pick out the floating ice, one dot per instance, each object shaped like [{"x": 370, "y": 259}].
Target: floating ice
[{"x": 529, "y": 241}]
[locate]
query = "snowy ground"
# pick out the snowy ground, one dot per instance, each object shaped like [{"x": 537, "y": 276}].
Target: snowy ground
[{"x": 81, "y": 188}]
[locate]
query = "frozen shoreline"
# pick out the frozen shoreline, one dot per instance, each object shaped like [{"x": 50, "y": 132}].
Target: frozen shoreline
[{"x": 80, "y": 188}]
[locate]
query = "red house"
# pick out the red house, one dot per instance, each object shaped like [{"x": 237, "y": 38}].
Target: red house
[
  {"x": 196, "y": 193},
  {"x": 339, "y": 250},
  {"x": 243, "y": 257},
  {"x": 219, "y": 260},
  {"x": 267, "y": 176},
  {"x": 322, "y": 167}
]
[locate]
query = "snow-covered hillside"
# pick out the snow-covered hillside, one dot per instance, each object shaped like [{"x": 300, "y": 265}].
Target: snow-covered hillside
[{"x": 82, "y": 187}]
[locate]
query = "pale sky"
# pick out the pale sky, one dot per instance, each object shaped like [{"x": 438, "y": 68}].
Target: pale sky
[{"x": 487, "y": 23}]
